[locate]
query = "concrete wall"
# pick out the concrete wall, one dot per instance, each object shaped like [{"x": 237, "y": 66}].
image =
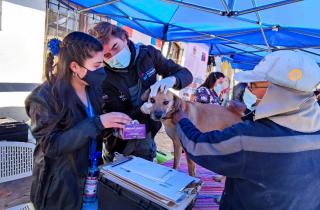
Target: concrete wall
[
  {"x": 195, "y": 58},
  {"x": 21, "y": 51}
]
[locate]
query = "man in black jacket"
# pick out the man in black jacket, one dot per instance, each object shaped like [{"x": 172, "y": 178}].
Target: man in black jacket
[{"x": 131, "y": 70}]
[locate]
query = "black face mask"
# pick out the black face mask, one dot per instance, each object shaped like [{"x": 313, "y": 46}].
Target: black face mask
[{"x": 95, "y": 77}]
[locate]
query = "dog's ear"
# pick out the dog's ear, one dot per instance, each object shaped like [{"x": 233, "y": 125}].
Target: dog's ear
[
  {"x": 145, "y": 95},
  {"x": 176, "y": 102},
  {"x": 179, "y": 104}
]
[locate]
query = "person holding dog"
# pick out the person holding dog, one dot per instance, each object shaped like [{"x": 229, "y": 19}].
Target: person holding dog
[
  {"x": 271, "y": 162},
  {"x": 132, "y": 69}
]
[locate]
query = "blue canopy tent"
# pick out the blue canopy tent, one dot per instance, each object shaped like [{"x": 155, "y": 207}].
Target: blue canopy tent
[{"x": 246, "y": 28}]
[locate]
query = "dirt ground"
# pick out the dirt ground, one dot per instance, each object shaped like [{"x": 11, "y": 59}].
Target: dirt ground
[{"x": 164, "y": 143}]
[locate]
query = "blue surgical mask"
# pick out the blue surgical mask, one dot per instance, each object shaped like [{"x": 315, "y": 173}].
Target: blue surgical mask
[
  {"x": 120, "y": 60},
  {"x": 218, "y": 88},
  {"x": 249, "y": 99},
  {"x": 95, "y": 77}
]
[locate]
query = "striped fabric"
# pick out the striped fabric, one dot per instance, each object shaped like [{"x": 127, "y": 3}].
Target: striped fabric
[{"x": 210, "y": 189}]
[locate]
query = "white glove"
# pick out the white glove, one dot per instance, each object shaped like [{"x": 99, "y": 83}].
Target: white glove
[
  {"x": 146, "y": 107},
  {"x": 163, "y": 85}
]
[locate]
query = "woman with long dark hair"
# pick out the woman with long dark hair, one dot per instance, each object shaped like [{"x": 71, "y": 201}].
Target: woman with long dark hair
[
  {"x": 66, "y": 119},
  {"x": 209, "y": 91}
]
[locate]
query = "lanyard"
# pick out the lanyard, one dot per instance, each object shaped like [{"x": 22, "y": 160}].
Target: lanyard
[{"x": 93, "y": 142}]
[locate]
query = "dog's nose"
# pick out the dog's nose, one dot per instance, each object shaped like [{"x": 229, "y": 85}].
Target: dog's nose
[{"x": 158, "y": 114}]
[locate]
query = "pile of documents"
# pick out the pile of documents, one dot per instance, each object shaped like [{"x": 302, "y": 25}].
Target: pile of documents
[{"x": 162, "y": 185}]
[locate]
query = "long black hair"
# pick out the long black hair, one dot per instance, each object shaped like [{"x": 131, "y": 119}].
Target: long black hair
[
  {"x": 211, "y": 79},
  {"x": 76, "y": 46}
]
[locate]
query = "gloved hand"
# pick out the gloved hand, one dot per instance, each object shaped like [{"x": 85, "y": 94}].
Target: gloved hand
[
  {"x": 237, "y": 107},
  {"x": 146, "y": 107},
  {"x": 163, "y": 85}
]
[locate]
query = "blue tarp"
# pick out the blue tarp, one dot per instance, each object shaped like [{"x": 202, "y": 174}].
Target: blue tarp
[{"x": 246, "y": 28}]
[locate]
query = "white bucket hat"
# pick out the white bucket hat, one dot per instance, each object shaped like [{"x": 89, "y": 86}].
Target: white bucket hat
[{"x": 288, "y": 68}]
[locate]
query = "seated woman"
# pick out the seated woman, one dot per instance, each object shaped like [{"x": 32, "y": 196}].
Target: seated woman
[
  {"x": 272, "y": 161},
  {"x": 66, "y": 120},
  {"x": 209, "y": 91}
]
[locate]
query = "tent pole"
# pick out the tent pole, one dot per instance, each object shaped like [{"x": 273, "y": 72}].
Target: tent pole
[
  {"x": 300, "y": 32},
  {"x": 222, "y": 38},
  {"x": 257, "y": 51},
  {"x": 260, "y": 25},
  {"x": 216, "y": 48},
  {"x": 135, "y": 18},
  {"x": 146, "y": 14},
  {"x": 98, "y": 5},
  {"x": 224, "y": 4},
  {"x": 214, "y": 11},
  {"x": 240, "y": 50},
  {"x": 193, "y": 6},
  {"x": 267, "y": 6},
  {"x": 136, "y": 22},
  {"x": 313, "y": 53},
  {"x": 222, "y": 35}
]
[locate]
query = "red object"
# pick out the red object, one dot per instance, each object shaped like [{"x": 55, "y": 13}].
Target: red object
[
  {"x": 159, "y": 43},
  {"x": 128, "y": 30},
  {"x": 203, "y": 56}
]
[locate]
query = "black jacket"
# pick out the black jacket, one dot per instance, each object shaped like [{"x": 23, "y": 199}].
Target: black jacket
[
  {"x": 61, "y": 154},
  {"x": 147, "y": 62}
]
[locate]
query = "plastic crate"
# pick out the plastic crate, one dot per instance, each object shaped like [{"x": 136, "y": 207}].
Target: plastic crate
[
  {"x": 26, "y": 206},
  {"x": 16, "y": 160}
]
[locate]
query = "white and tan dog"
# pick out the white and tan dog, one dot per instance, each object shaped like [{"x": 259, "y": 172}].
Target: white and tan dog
[{"x": 206, "y": 117}]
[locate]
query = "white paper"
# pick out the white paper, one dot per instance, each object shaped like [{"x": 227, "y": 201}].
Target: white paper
[{"x": 165, "y": 181}]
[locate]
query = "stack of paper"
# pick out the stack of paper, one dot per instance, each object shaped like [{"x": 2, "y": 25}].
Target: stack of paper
[{"x": 161, "y": 184}]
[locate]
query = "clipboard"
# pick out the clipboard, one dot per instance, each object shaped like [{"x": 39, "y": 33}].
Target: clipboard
[{"x": 165, "y": 186}]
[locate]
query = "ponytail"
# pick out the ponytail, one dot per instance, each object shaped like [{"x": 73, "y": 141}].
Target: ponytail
[{"x": 54, "y": 48}]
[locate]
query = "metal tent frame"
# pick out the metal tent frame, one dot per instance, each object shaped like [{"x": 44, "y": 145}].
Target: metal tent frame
[{"x": 252, "y": 35}]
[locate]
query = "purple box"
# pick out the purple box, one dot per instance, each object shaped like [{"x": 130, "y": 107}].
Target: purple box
[{"x": 133, "y": 131}]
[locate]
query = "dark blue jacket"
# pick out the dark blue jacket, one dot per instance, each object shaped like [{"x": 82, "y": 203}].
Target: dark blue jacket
[{"x": 267, "y": 166}]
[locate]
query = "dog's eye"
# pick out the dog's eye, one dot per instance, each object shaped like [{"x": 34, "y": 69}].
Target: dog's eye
[
  {"x": 152, "y": 100},
  {"x": 165, "y": 102}
]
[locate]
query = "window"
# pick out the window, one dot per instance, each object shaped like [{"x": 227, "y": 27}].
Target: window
[
  {"x": 176, "y": 53},
  {"x": 63, "y": 19}
]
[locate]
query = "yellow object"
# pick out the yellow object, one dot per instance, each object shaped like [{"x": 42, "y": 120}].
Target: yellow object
[
  {"x": 225, "y": 66},
  {"x": 227, "y": 70},
  {"x": 295, "y": 74}
]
